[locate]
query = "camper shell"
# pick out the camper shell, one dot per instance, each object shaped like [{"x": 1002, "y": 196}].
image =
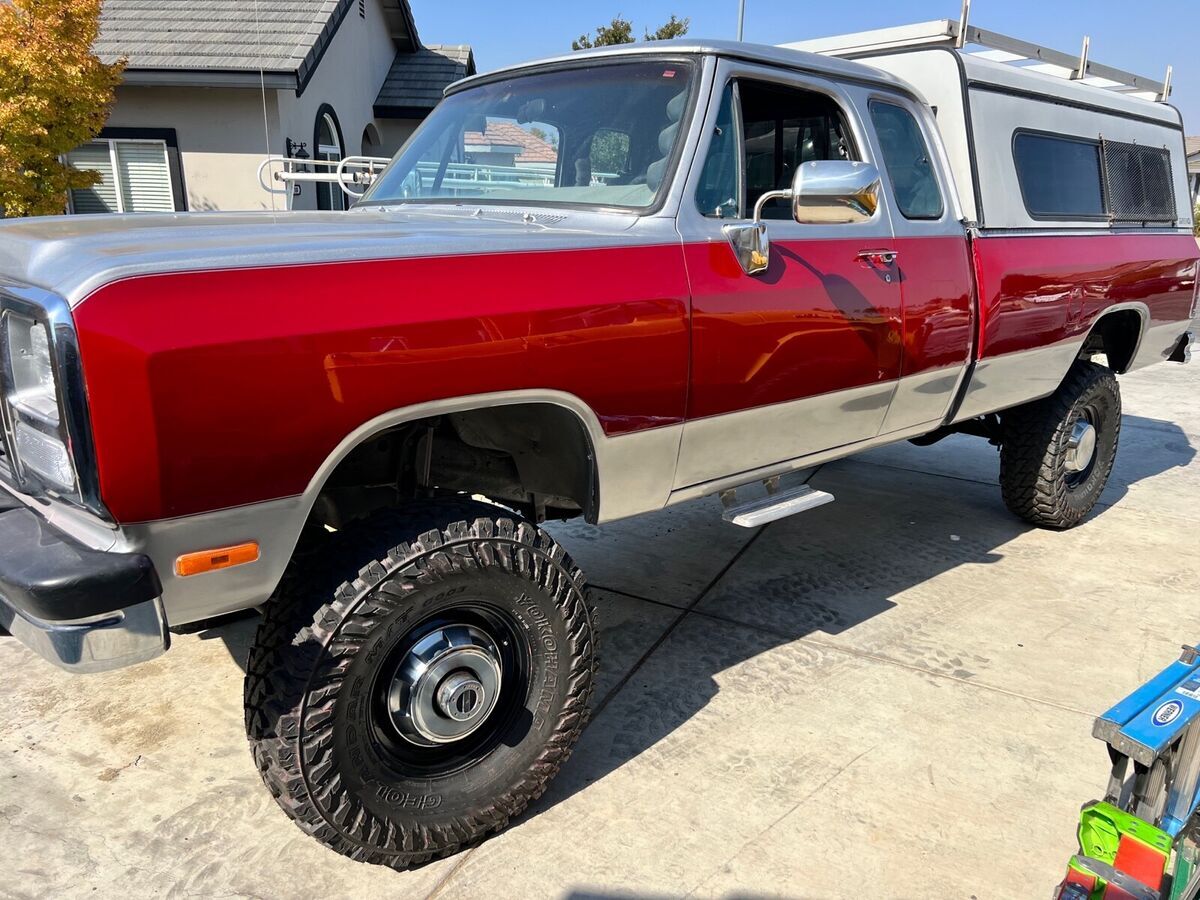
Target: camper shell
[{"x": 987, "y": 90}]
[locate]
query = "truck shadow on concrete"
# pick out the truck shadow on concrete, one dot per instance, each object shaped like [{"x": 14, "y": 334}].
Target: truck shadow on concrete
[
  {"x": 1148, "y": 448},
  {"x": 683, "y": 597}
]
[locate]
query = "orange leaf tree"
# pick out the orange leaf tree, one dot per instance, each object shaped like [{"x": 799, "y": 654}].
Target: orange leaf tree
[{"x": 55, "y": 94}]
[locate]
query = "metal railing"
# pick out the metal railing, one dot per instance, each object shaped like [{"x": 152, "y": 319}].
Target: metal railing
[
  {"x": 960, "y": 35},
  {"x": 353, "y": 175},
  {"x": 280, "y": 175}
]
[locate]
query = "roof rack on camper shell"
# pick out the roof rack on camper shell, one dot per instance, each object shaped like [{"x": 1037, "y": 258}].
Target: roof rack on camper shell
[{"x": 960, "y": 35}]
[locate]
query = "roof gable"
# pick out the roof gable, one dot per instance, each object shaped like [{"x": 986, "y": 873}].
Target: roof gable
[{"x": 416, "y": 82}]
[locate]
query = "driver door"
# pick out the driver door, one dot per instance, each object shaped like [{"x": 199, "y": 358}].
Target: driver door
[{"x": 805, "y": 356}]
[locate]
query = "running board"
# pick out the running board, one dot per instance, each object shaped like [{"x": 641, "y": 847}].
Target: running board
[{"x": 774, "y": 506}]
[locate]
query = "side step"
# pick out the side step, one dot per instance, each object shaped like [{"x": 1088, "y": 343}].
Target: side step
[{"x": 773, "y": 506}]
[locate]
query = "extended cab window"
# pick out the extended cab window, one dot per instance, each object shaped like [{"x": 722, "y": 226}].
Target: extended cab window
[
  {"x": 907, "y": 159},
  {"x": 782, "y": 127}
]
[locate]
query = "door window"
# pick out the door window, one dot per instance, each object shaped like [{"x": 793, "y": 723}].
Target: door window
[
  {"x": 906, "y": 157},
  {"x": 717, "y": 195},
  {"x": 781, "y": 128}
]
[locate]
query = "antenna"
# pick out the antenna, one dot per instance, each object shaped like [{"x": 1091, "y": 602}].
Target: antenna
[
  {"x": 262, "y": 82},
  {"x": 741, "y": 18}
]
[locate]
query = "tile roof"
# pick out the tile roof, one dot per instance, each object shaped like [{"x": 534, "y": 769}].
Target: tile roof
[
  {"x": 222, "y": 34},
  {"x": 416, "y": 81},
  {"x": 535, "y": 149},
  {"x": 287, "y": 36}
]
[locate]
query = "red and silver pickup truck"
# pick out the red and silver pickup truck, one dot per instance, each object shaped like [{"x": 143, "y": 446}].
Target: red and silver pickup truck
[{"x": 743, "y": 261}]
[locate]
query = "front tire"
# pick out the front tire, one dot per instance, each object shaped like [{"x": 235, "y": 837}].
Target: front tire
[
  {"x": 1057, "y": 453},
  {"x": 424, "y": 702}
]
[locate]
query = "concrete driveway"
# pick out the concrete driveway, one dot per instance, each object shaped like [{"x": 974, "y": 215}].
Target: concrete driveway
[{"x": 890, "y": 696}]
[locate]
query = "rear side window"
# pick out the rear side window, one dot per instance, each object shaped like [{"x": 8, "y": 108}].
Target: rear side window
[
  {"x": 907, "y": 159},
  {"x": 1060, "y": 177},
  {"x": 1139, "y": 182}
]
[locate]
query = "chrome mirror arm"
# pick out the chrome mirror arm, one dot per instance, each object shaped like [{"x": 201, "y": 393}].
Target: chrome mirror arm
[
  {"x": 751, "y": 243},
  {"x": 767, "y": 198}
]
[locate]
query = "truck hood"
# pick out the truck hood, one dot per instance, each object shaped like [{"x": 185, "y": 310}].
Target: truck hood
[{"x": 74, "y": 255}]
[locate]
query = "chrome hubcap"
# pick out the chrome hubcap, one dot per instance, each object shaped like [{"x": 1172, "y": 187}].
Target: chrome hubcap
[
  {"x": 446, "y": 685},
  {"x": 1081, "y": 446}
]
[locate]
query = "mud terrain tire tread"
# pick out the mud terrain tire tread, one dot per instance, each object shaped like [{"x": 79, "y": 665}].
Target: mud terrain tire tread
[
  {"x": 301, "y": 648},
  {"x": 1032, "y": 453}
]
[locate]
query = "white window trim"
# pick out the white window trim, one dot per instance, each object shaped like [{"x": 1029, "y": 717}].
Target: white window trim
[{"x": 112, "y": 161}]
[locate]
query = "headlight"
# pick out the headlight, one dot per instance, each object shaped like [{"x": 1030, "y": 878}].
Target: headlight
[
  {"x": 31, "y": 395},
  {"x": 34, "y": 391}
]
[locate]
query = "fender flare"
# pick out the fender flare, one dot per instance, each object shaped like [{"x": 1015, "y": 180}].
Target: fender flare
[
  {"x": 582, "y": 412},
  {"x": 1143, "y": 312}
]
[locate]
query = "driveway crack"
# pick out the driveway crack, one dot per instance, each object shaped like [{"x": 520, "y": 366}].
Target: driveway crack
[{"x": 777, "y": 821}]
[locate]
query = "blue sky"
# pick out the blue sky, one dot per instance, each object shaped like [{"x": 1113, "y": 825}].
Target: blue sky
[{"x": 1138, "y": 37}]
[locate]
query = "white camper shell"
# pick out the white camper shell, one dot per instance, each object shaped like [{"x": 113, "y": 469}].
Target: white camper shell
[{"x": 1037, "y": 139}]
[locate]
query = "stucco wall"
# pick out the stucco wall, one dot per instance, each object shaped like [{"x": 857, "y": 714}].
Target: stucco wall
[
  {"x": 348, "y": 80},
  {"x": 220, "y": 130},
  {"x": 220, "y": 134},
  {"x": 394, "y": 132}
]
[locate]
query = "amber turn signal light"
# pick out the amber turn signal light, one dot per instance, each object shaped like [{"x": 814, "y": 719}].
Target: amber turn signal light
[{"x": 212, "y": 560}]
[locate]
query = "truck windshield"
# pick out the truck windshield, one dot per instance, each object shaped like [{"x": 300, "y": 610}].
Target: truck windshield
[{"x": 603, "y": 136}]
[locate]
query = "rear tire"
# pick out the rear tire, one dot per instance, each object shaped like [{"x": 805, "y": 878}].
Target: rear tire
[
  {"x": 1047, "y": 476},
  {"x": 415, "y": 684}
]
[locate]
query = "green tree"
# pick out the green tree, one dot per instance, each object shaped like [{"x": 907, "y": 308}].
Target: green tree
[
  {"x": 54, "y": 95},
  {"x": 674, "y": 28},
  {"x": 620, "y": 31}
]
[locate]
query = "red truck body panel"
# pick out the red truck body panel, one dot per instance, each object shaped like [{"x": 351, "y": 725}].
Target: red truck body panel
[
  {"x": 284, "y": 362},
  {"x": 180, "y": 367},
  {"x": 815, "y": 322},
  {"x": 1039, "y": 290}
]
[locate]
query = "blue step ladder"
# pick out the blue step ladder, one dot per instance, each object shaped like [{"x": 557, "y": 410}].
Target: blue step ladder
[{"x": 1156, "y": 729}]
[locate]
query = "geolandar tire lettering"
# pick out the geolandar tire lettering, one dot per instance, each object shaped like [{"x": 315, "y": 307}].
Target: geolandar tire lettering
[
  {"x": 409, "y": 710},
  {"x": 1057, "y": 454}
]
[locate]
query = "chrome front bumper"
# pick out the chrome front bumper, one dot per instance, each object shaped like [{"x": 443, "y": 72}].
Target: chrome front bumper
[
  {"x": 120, "y": 639},
  {"x": 81, "y": 609}
]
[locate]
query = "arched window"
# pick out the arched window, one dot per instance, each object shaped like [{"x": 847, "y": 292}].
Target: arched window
[
  {"x": 371, "y": 143},
  {"x": 328, "y": 145}
]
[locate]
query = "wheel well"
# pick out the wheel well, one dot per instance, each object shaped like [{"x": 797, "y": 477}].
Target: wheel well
[
  {"x": 534, "y": 457},
  {"x": 1116, "y": 335}
]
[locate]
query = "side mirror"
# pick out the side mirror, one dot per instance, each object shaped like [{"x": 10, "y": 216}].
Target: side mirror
[
  {"x": 835, "y": 192},
  {"x": 823, "y": 192}
]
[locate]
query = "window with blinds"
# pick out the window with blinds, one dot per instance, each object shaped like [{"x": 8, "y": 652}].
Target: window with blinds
[{"x": 135, "y": 176}]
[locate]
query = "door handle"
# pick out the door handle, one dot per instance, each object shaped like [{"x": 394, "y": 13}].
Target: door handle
[{"x": 879, "y": 257}]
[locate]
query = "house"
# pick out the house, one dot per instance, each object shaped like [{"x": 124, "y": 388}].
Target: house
[
  {"x": 213, "y": 86},
  {"x": 1193, "y": 167},
  {"x": 505, "y": 145}
]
